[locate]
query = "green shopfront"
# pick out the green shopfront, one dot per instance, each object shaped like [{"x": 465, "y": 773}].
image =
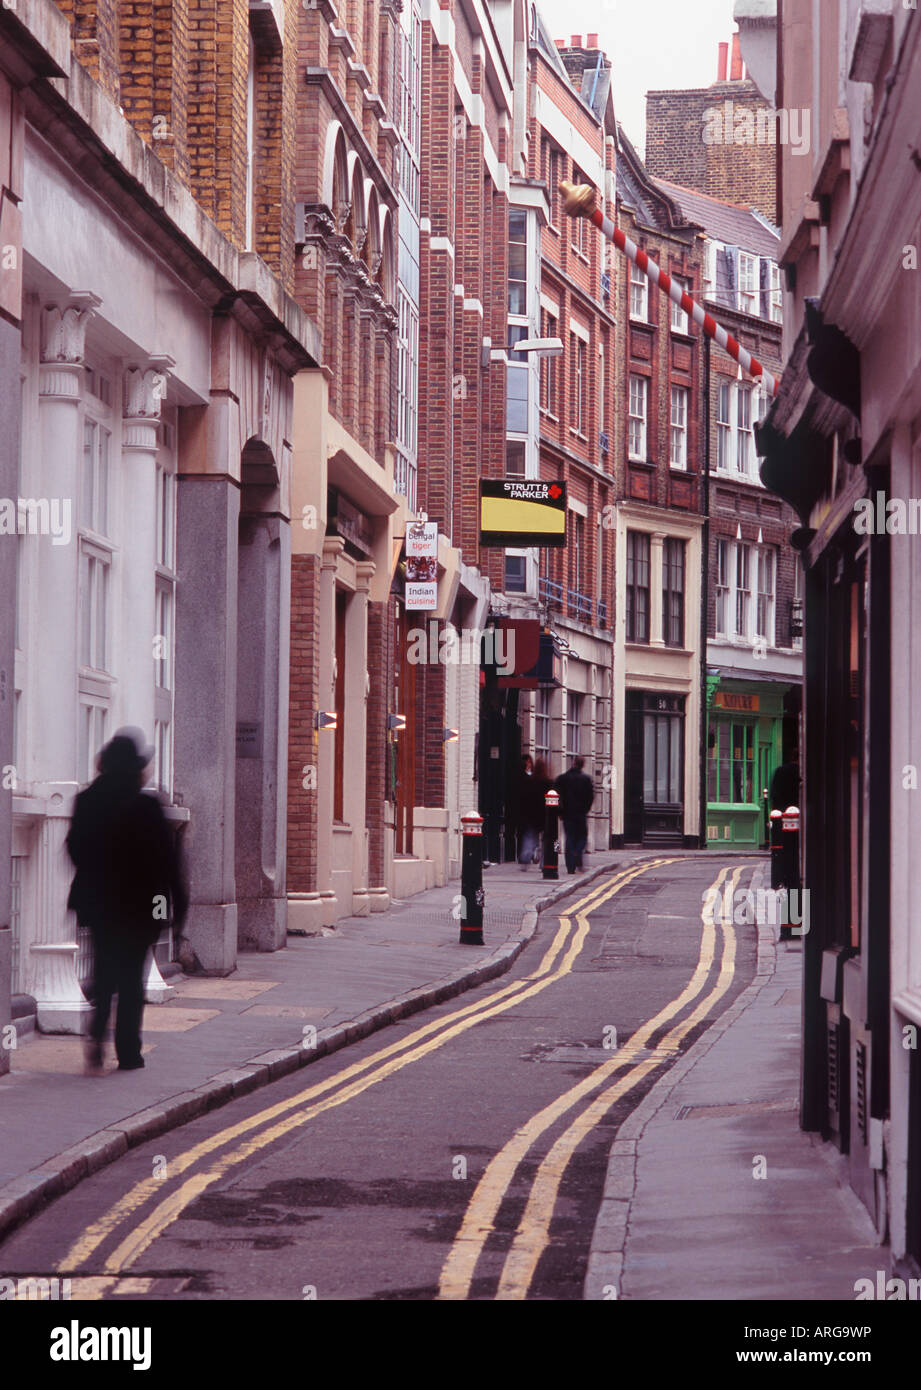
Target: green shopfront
[{"x": 745, "y": 743}]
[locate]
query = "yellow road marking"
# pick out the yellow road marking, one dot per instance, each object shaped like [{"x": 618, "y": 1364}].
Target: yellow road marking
[
  {"x": 169, "y": 1209},
  {"x": 533, "y": 1234},
  {"x": 479, "y": 1219}
]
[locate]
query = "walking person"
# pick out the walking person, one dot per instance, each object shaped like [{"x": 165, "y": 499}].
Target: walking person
[
  {"x": 127, "y": 884},
  {"x": 576, "y": 797},
  {"x": 535, "y": 786}
]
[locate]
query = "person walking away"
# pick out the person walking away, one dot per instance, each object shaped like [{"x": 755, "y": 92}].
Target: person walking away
[
  {"x": 576, "y": 797},
  {"x": 127, "y": 883},
  {"x": 527, "y": 838}
]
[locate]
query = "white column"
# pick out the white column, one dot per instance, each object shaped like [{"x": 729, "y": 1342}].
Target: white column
[
  {"x": 49, "y": 946},
  {"x": 143, "y": 389},
  {"x": 332, "y": 548},
  {"x": 48, "y": 932},
  {"x": 655, "y": 589}
]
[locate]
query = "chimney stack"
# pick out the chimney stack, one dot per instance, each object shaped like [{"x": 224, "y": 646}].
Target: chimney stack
[
  {"x": 722, "y": 62},
  {"x": 591, "y": 41},
  {"x": 577, "y": 41},
  {"x": 735, "y": 71}
]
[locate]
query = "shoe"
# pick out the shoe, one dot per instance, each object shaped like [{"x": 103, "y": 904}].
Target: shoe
[
  {"x": 93, "y": 1056},
  {"x": 131, "y": 1066}
]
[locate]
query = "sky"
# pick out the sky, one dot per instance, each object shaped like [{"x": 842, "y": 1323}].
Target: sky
[{"x": 651, "y": 43}]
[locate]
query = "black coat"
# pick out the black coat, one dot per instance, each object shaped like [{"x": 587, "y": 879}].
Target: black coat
[
  {"x": 576, "y": 794},
  {"x": 128, "y": 875}
]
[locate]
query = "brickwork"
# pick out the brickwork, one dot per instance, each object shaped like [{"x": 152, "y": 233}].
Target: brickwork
[
  {"x": 302, "y": 735},
  {"x": 94, "y": 35},
  {"x": 696, "y": 138}
]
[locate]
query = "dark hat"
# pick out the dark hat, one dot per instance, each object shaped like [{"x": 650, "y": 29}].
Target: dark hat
[{"x": 127, "y": 751}]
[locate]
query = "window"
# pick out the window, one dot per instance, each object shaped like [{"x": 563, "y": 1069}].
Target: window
[
  {"x": 723, "y": 427},
  {"x": 165, "y": 612},
  {"x": 737, "y": 406},
  {"x": 746, "y": 456},
  {"x": 518, "y": 261},
  {"x": 679, "y": 319},
  {"x": 673, "y": 592},
  {"x": 748, "y": 283},
  {"x": 515, "y": 574},
  {"x": 636, "y": 436},
  {"x": 765, "y": 615},
  {"x": 550, "y": 328},
  {"x": 542, "y": 725},
  {"x": 573, "y": 724},
  {"x": 516, "y": 399},
  {"x": 407, "y": 412},
  {"x": 410, "y": 99},
  {"x": 94, "y": 497},
  {"x": 93, "y": 715},
  {"x": 94, "y": 607},
  {"x": 678, "y": 450},
  {"x": 743, "y": 589},
  {"x": 744, "y": 570},
  {"x": 639, "y": 292},
  {"x": 722, "y": 587},
  {"x": 515, "y": 458},
  {"x": 776, "y": 294},
  {"x": 637, "y": 586},
  {"x": 577, "y": 361}
]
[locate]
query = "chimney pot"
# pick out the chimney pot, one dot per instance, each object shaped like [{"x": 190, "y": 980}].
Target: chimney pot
[
  {"x": 722, "y": 62},
  {"x": 577, "y": 40},
  {"x": 560, "y": 43},
  {"x": 591, "y": 41},
  {"x": 735, "y": 70}
]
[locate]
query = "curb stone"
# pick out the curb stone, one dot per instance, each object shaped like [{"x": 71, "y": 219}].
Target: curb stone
[{"x": 25, "y": 1195}]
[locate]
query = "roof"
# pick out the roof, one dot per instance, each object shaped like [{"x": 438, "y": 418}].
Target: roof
[{"x": 725, "y": 222}]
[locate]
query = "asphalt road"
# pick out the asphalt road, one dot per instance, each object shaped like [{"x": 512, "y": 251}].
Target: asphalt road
[{"x": 458, "y": 1154}]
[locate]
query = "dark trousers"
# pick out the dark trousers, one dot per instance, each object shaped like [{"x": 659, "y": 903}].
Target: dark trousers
[
  {"x": 118, "y": 968},
  {"x": 576, "y": 828}
]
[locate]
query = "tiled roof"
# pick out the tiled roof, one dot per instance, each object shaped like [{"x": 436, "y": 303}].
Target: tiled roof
[{"x": 733, "y": 226}]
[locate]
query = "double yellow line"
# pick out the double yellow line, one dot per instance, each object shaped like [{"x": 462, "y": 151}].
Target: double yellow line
[
  {"x": 533, "y": 1233},
  {"x": 285, "y": 1116}
]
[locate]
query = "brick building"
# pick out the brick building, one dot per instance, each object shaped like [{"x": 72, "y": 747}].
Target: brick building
[
  {"x": 753, "y": 577},
  {"x": 567, "y": 431},
  {"x": 156, "y": 352},
  {"x": 658, "y": 525},
  {"x": 721, "y": 140}
]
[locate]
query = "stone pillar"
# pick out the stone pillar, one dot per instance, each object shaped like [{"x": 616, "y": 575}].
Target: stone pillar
[
  {"x": 262, "y": 689},
  {"x": 49, "y": 957},
  {"x": 142, "y": 396},
  {"x": 332, "y": 549},
  {"x": 208, "y": 511},
  {"x": 376, "y": 784},
  {"x": 356, "y": 721},
  {"x": 48, "y": 940},
  {"x": 656, "y": 543}
]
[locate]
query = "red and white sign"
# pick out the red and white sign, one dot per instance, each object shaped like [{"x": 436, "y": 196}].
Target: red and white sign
[{"x": 421, "y": 567}]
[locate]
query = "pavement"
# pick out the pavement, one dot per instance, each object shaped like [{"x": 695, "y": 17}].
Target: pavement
[
  {"x": 683, "y": 1214},
  {"x": 713, "y": 1192}
]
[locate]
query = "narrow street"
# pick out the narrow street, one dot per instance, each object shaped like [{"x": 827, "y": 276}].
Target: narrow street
[{"x": 459, "y": 1154}]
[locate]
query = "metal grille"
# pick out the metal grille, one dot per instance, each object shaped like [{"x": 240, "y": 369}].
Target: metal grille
[
  {"x": 84, "y": 956},
  {"x": 862, "y": 1090},
  {"x": 832, "y": 1051}
]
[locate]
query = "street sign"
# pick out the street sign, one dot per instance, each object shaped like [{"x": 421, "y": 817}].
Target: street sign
[
  {"x": 522, "y": 512},
  {"x": 421, "y": 594}
]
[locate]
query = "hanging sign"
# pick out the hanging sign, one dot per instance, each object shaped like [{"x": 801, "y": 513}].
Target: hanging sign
[
  {"x": 522, "y": 512},
  {"x": 421, "y": 567}
]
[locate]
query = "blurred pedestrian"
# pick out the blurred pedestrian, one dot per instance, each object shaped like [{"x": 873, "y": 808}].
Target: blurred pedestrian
[
  {"x": 534, "y": 813},
  {"x": 127, "y": 885},
  {"x": 576, "y": 796}
]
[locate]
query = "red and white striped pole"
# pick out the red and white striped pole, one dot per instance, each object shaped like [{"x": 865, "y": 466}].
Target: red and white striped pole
[{"x": 579, "y": 201}]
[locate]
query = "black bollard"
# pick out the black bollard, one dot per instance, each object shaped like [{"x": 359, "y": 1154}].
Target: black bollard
[
  {"x": 551, "y": 867},
  {"x": 471, "y": 931},
  {"x": 777, "y": 857}
]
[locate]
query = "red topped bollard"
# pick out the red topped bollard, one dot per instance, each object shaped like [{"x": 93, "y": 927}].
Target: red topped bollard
[
  {"x": 471, "y": 931},
  {"x": 551, "y": 867}
]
